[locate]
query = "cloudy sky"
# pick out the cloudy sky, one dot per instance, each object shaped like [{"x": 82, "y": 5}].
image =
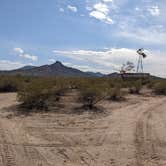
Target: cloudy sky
[{"x": 92, "y": 35}]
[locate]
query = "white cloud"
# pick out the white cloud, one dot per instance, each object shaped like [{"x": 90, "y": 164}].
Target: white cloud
[
  {"x": 110, "y": 60},
  {"x": 107, "y": 0},
  {"x": 89, "y": 8},
  {"x": 84, "y": 68},
  {"x": 101, "y": 12},
  {"x": 72, "y": 8},
  {"x": 61, "y": 10},
  {"x": 21, "y": 53},
  {"x": 19, "y": 50},
  {"x": 28, "y": 56},
  {"x": 101, "y": 7},
  {"x": 137, "y": 9},
  {"x": 149, "y": 35},
  {"x": 10, "y": 65},
  {"x": 51, "y": 60},
  {"x": 154, "y": 10},
  {"x": 98, "y": 15}
]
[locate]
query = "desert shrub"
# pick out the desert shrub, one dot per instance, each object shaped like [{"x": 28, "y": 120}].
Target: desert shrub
[
  {"x": 135, "y": 87},
  {"x": 9, "y": 84},
  {"x": 13, "y": 83},
  {"x": 91, "y": 95},
  {"x": 39, "y": 93},
  {"x": 152, "y": 83},
  {"x": 115, "y": 94},
  {"x": 73, "y": 83},
  {"x": 160, "y": 88},
  {"x": 33, "y": 96},
  {"x": 146, "y": 81},
  {"x": 94, "y": 90},
  {"x": 90, "y": 98}
]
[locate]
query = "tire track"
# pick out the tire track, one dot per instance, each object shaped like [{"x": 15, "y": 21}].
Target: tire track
[
  {"x": 35, "y": 156},
  {"x": 145, "y": 146},
  {"x": 146, "y": 139},
  {"x": 9, "y": 156},
  {"x": 7, "y": 152}
]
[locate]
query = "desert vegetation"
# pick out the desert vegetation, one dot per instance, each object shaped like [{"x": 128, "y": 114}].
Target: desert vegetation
[
  {"x": 135, "y": 87},
  {"x": 91, "y": 92},
  {"x": 41, "y": 92},
  {"x": 10, "y": 84},
  {"x": 115, "y": 94},
  {"x": 91, "y": 116},
  {"x": 160, "y": 87}
]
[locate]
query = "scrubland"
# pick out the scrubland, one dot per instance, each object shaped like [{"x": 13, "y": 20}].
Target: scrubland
[{"x": 82, "y": 121}]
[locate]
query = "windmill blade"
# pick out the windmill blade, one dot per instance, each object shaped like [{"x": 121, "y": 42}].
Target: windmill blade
[
  {"x": 144, "y": 55},
  {"x": 140, "y": 52}
]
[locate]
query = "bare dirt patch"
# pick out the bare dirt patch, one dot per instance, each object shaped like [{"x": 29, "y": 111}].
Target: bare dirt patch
[{"x": 130, "y": 133}]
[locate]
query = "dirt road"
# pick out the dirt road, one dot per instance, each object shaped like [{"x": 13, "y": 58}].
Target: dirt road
[{"x": 131, "y": 133}]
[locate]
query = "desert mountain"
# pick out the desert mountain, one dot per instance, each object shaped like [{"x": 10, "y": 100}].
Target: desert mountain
[{"x": 56, "y": 69}]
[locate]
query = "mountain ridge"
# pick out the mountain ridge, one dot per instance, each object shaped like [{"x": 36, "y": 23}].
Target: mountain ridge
[
  {"x": 55, "y": 69},
  {"x": 58, "y": 69}
]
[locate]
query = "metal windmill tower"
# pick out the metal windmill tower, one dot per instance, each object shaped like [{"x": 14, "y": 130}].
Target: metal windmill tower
[{"x": 142, "y": 55}]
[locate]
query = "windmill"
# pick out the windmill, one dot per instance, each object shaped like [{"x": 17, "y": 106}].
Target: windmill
[{"x": 142, "y": 55}]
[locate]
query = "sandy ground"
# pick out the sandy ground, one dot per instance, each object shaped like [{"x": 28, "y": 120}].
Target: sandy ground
[{"x": 130, "y": 133}]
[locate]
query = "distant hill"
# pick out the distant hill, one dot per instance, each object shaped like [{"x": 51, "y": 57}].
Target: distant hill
[
  {"x": 27, "y": 67},
  {"x": 133, "y": 75},
  {"x": 56, "y": 69},
  {"x": 114, "y": 75},
  {"x": 97, "y": 74}
]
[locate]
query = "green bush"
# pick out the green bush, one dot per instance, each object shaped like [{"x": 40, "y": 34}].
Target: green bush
[
  {"x": 42, "y": 92},
  {"x": 135, "y": 87},
  {"x": 39, "y": 93},
  {"x": 115, "y": 94},
  {"x": 91, "y": 95},
  {"x": 160, "y": 88},
  {"x": 13, "y": 83},
  {"x": 9, "y": 84}
]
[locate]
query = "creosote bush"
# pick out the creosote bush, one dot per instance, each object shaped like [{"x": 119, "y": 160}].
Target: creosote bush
[
  {"x": 160, "y": 88},
  {"x": 13, "y": 83},
  {"x": 135, "y": 87},
  {"x": 9, "y": 84},
  {"x": 38, "y": 93},
  {"x": 42, "y": 93},
  {"x": 115, "y": 94},
  {"x": 92, "y": 92},
  {"x": 90, "y": 97}
]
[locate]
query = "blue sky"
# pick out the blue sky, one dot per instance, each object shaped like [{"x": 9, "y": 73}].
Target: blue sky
[{"x": 95, "y": 35}]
